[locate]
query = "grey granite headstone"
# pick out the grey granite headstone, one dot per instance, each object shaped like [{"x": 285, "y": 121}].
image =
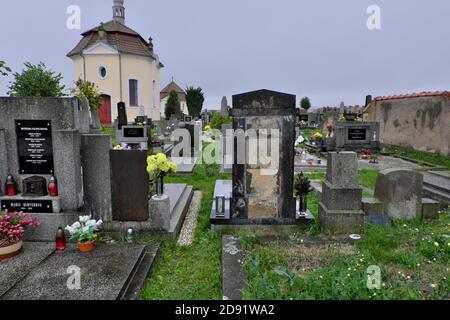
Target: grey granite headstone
[
  {"x": 340, "y": 209},
  {"x": 67, "y": 144},
  {"x": 97, "y": 175},
  {"x": 85, "y": 116},
  {"x": 224, "y": 107},
  {"x": 400, "y": 192}
]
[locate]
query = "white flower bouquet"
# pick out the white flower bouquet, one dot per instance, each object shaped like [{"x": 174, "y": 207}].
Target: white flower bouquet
[{"x": 84, "y": 230}]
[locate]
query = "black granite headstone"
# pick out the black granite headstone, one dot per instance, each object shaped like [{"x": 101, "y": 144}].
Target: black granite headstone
[
  {"x": 122, "y": 115},
  {"x": 35, "y": 146}
]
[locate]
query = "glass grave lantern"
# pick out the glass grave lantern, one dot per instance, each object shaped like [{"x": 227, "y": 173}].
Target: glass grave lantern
[
  {"x": 10, "y": 186},
  {"x": 53, "y": 187}
]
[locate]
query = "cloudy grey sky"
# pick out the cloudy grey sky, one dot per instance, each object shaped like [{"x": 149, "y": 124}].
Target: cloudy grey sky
[{"x": 321, "y": 48}]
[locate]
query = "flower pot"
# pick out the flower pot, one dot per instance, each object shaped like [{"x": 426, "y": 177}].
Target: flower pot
[
  {"x": 86, "y": 246},
  {"x": 10, "y": 249}
]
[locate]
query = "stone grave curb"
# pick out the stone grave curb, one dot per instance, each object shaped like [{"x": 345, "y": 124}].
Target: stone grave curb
[{"x": 234, "y": 277}]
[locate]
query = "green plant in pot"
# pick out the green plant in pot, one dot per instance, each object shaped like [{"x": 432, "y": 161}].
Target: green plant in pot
[{"x": 302, "y": 189}]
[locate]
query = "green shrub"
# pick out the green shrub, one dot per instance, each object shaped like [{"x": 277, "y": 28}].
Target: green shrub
[{"x": 218, "y": 120}]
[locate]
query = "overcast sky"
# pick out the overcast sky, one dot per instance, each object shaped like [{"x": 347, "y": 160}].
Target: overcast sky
[{"x": 321, "y": 49}]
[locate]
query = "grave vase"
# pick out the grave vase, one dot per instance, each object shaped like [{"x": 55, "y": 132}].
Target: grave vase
[
  {"x": 160, "y": 185},
  {"x": 303, "y": 203}
]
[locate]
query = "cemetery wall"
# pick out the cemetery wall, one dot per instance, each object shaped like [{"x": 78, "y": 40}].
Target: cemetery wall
[{"x": 420, "y": 123}]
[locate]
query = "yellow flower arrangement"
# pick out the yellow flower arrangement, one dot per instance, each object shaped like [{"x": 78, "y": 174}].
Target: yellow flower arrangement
[
  {"x": 118, "y": 147},
  {"x": 159, "y": 163},
  {"x": 208, "y": 127},
  {"x": 318, "y": 135}
]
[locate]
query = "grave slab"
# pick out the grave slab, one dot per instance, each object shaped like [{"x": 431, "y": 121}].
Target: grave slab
[
  {"x": 110, "y": 272},
  {"x": 15, "y": 269}
]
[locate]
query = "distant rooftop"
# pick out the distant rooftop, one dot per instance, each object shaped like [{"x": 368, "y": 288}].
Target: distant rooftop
[{"x": 414, "y": 95}]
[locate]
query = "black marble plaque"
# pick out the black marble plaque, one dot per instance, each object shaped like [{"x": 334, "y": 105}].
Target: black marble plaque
[
  {"x": 35, "y": 146},
  {"x": 303, "y": 117},
  {"x": 28, "y": 206},
  {"x": 357, "y": 134},
  {"x": 134, "y": 132}
]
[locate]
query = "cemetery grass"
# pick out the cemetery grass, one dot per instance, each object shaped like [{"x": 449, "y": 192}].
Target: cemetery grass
[
  {"x": 420, "y": 156},
  {"x": 190, "y": 272},
  {"x": 414, "y": 258},
  {"x": 109, "y": 130}
]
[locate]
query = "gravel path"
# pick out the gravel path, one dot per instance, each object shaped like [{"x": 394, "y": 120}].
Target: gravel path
[{"x": 190, "y": 223}]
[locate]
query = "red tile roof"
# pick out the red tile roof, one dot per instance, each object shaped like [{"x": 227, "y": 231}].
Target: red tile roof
[
  {"x": 118, "y": 35},
  {"x": 414, "y": 95}
]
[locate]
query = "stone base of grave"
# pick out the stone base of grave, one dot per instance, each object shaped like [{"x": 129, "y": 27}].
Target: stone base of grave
[
  {"x": 109, "y": 272},
  {"x": 341, "y": 221},
  {"x": 224, "y": 188},
  {"x": 180, "y": 196},
  {"x": 50, "y": 222},
  {"x": 185, "y": 165}
]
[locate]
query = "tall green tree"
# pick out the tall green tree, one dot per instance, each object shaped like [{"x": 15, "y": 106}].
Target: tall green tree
[
  {"x": 36, "y": 81},
  {"x": 194, "y": 99},
  {"x": 305, "y": 103},
  {"x": 172, "y": 105},
  {"x": 4, "y": 70}
]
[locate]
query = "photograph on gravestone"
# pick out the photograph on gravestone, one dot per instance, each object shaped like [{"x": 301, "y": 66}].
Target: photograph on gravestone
[{"x": 35, "y": 146}]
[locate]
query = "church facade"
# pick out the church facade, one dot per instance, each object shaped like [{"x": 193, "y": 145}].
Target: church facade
[{"x": 122, "y": 64}]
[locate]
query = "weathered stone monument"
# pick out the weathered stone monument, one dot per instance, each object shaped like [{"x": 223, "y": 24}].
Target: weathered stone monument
[
  {"x": 350, "y": 136},
  {"x": 260, "y": 195},
  {"x": 224, "y": 107},
  {"x": 340, "y": 209},
  {"x": 400, "y": 193}
]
